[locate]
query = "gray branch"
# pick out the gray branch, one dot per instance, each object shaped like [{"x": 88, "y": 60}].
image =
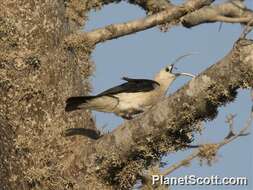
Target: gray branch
[
  {"x": 118, "y": 30},
  {"x": 230, "y": 12}
]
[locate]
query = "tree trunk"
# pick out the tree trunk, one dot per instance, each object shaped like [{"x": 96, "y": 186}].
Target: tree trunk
[
  {"x": 37, "y": 74},
  {"x": 44, "y": 60}
]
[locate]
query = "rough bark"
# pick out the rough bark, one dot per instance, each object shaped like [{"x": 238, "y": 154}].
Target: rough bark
[
  {"x": 76, "y": 10},
  {"x": 232, "y": 12},
  {"x": 38, "y": 73},
  {"x": 36, "y": 76},
  {"x": 170, "y": 14},
  {"x": 189, "y": 14},
  {"x": 150, "y": 6},
  {"x": 6, "y": 150},
  {"x": 119, "y": 157}
]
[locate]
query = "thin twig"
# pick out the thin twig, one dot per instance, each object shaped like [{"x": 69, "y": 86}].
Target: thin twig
[
  {"x": 247, "y": 29},
  {"x": 185, "y": 161},
  {"x": 181, "y": 57},
  {"x": 230, "y": 122}
]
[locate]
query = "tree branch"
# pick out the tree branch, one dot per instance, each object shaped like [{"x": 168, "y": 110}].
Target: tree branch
[
  {"x": 76, "y": 9},
  {"x": 119, "y": 156},
  {"x": 153, "y": 6},
  {"x": 197, "y": 153},
  {"x": 231, "y": 12},
  {"x": 150, "y": 6},
  {"x": 190, "y": 14},
  {"x": 118, "y": 30}
]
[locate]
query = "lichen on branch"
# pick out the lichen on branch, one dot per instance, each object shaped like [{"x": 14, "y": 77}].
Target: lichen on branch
[
  {"x": 118, "y": 30},
  {"x": 166, "y": 127}
]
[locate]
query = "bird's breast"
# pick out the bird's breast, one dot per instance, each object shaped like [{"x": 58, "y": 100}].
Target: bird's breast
[{"x": 138, "y": 100}]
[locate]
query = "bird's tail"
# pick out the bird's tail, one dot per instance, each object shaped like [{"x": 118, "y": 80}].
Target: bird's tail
[{"x": 75, "y": 103}]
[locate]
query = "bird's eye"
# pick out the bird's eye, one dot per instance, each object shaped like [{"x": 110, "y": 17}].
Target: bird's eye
[{"x": 169, "y": 69}]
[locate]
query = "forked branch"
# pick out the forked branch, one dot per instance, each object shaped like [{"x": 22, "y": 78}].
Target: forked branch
[
  {"x": 217, "y": 146},
  {"x": 191, "y": 13},
  {"x": 118, "y": 30}
]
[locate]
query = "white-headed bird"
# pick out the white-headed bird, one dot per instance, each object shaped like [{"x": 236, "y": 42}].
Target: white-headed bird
[{"x": 130, "y": 98}]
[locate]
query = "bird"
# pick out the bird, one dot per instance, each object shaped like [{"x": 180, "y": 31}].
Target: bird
[{"x": 131, "y": 98}]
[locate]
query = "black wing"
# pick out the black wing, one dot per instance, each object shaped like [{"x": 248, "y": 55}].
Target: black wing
[{"x": 132, "y": 85}]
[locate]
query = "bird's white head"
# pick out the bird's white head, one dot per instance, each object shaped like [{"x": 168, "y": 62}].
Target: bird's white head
[{"x": 166, "y": 76}]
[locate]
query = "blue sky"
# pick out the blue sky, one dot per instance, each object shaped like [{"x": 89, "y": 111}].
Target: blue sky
[{"x": 142, "y": 54}]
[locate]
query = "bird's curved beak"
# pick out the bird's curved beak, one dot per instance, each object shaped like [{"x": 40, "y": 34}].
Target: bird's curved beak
[
  {"x": 172, "y": 66},
  {"x": 180, "y": 74},
  {"x": 184, "y": 74}
]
